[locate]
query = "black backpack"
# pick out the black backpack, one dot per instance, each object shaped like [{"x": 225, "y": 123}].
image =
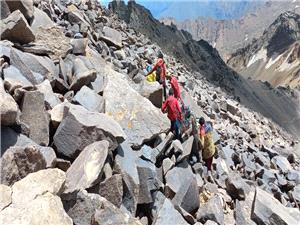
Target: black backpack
[{"x": 158, "y": 73}]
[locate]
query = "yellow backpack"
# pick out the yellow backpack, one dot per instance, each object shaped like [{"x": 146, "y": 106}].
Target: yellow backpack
[{"x": 151, "y": 77}]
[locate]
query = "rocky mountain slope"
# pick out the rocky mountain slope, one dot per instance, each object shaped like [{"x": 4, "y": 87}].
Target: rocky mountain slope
[
  {"x": 83, "y": 141},
  {"x": 274, "y": 57},
  {"x": 231, "y": 34},
  {"x": 202, "y": 57}
]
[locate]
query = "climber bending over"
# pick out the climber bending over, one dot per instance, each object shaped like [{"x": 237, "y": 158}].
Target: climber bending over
[{"x": 174, "y": 113}]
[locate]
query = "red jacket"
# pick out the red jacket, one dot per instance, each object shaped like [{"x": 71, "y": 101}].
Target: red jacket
[
  {"x": 160, "y": 63},
  {"x": 175, "y": 87},
  {"x": 174, "y": 111}
]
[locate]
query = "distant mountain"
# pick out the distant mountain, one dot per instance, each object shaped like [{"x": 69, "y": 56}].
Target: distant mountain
[
  {"x": 275, "y": 56},
  {"x": 229, "y": 35},
  {"x": 191, "y": 9}
]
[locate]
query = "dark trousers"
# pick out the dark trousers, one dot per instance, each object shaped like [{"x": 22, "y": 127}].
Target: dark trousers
[
  {"x": 175, "y": 128},
  {"x": 208, "y": 163}
]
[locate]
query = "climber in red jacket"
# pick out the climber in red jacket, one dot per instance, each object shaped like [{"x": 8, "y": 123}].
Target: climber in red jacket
[
  {"x": 160, "y": 69},
  {"x": 175, "y": 87},
  {"x": 174, "y": 113}
]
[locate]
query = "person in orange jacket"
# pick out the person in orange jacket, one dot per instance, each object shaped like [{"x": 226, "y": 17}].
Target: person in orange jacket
[
  {"x": 174, "y": 113},
  {"x": 160, "y": 69}
]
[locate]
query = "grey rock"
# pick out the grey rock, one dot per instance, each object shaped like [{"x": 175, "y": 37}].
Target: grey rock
[
  {"x": 35, "y": 200},
  {"x": 296, "y": 194},
  {"x": 187, "y": 196},
  {"x": 99, "y": 83},
  {"x": 187, "y": 148},
  {"x": 167, "y": 214},
  {"x": 148, "y": 181},
  {"x": 34, "y": 115},
  {"x": 63, "y": 164},
  {"x": 140, "y": 120},
  {"x": 25, "y": 6},
  {"x": 13, "y": 79},
  {"x": 238, "y": 214},
  {"x": 41, "y": 19},
  {"x": 281, "y": 163},
  {"x": 89, "y": 99},
  {"x": 86, "y": 168},
  {"x": 16, "y": 29},
  {"x": 8, "y": 107},
  {"x": 112, "y": 189},
  {"x": 5, "y": 197},
  {"x": 82, "y": 75},
  {"x": 153, "y": 91},
  {"x": 83, "y": 207},
  {"x": 126, "y": 164},
  {"x": 268, "y": 210},
  {"x": 111, "y": 215},
  {"x": 294, "y": 175},
  {"x": 17, "y": 162},
  {"x": 81, "y": 128},
  {"x": 212, "y": 210},
  {"x": 50, "y": 98},
  {"x": 4, "y": 10},
  {"x": 167, "y": 165},
  {"x": 236, "y": 187},
  {"x": 112, "y": 37},
  {"x": 149, "y": 153},
  {"x": 177, "y": 177},
  {"x": 58, "y": 113},
  {"x": 49, "y": 156},
  {"x": 79, "y": 46}
]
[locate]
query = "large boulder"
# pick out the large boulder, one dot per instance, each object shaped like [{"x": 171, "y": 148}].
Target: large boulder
[
  {"x": 187, "y": 196},
  {"x": 16, "y": 29},
  {"x": 18, "y": 162},
  {"x": 81, "y": 128},
  {"x": 35, "y": 200},
  {"x": 112, "y": 37},
  {"x": 140, "y": 120},
  {"x": 25, "y": 6},
  {"x": 268, "y": 210},
  {"x": 86, "y": 168},
  {"x": 177, "y": 177},
  {"x": 126, "y": 164},
  {"x": 153, "y": 91},
  {"x": 89, "y": 99},
  {"x": 211, "y": 210},
  {"x": 8, "y": 107},
  {"x": 35, "y": 116},
  {"x": 167, "y": 214}
]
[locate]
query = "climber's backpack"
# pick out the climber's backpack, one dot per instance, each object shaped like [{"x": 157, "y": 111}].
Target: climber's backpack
[{"x": 158, "y": 72}]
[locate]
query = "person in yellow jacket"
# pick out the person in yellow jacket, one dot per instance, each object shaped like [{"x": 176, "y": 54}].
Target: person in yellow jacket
[{"x": 207, "y": 143}]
